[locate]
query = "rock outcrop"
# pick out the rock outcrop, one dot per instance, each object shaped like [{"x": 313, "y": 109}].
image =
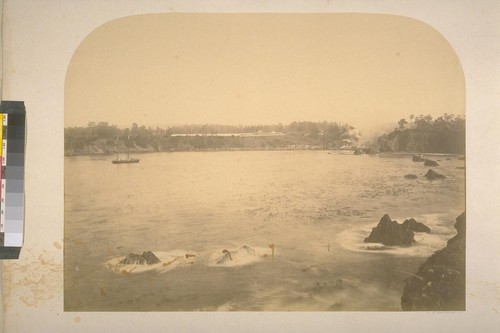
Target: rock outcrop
[
  {"x": 439, "y": 283},
  {"x": 413, "y": 225},
  {"x": 390, "y": 233},
  {"x": 146, "y": 258},
  {"x": 410, "y": 176},
  {"x": 358, "y": 152},
  {"x": 418, "y": 158},
  {"x": 370, "y": 150},
  {"x": 430, "y": 163},
  {"x": 432, "y": 175}
]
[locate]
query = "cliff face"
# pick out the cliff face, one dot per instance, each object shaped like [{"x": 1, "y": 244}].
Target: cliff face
[{"x": 439, "y": 283}]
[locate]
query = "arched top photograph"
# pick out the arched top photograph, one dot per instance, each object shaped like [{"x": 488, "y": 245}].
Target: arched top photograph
[{"x": 264, "y": 162}]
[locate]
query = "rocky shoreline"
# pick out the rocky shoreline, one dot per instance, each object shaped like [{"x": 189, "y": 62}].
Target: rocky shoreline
[{"x": 439, "y": 284}]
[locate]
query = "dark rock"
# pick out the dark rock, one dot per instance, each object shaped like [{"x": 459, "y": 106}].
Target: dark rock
[
  {"x": 225, "y": 258},
  {"x": 150, "y": 258},
  {"x": 418, "y": 158},
  {"x": 369, "y": 150},
  {"x": 133, "y": 258},
  {"x": 439, "y": 283},
  {"x": 415, "y": 226},
  {"x": 430, "y": 163},
  {"x": 333, "y": 287},
  {"x": 460, "y": 226},
  {"x": 246, "y": 250},
  {"x": 146, "y": 258},
  {"x": 431, "y": 175},
  {"x": 390, "y": 233},
  {"x": 410, "y": 176}
]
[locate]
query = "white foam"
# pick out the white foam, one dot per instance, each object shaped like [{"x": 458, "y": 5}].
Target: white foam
[
  {"x": 178, "y": 258},
  {"x": 240, "y": 257},
  {"x": 168, "y": 261},
  {"x": 425, "y": 244}
]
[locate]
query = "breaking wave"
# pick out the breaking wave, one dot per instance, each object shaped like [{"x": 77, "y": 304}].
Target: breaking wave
[
  {"x": 425, "y": 244},
  {"x": 242, "y": 256}
]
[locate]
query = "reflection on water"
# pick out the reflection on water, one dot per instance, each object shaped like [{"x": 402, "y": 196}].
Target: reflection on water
[{"x": 315, "y": 207}]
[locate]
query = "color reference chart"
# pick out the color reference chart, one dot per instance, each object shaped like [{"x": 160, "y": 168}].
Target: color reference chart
[{"x": 13, "y": 136}]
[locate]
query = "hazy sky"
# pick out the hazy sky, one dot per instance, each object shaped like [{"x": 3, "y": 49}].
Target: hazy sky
[{"x": 363, "y": 69}]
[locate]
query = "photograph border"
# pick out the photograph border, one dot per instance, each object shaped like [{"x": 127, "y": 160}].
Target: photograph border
[{"x": 32, "y": 285}]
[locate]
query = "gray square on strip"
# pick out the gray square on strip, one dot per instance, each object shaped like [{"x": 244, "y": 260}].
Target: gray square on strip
[
  {"x": 14, "y": 171},
  {"x": 13, "y": 212},
  {"x": 14, "y": 185},
  {"x": 14, "y": 199},
  {"x": 16, "y": 159},
  {"x": 15, "y": 146},
  {"x": 13, "y": 226},
  {"x": 13, "y": 239}
]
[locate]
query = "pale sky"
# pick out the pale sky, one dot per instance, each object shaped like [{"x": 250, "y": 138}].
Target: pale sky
[{"x": 363, "y": 69}]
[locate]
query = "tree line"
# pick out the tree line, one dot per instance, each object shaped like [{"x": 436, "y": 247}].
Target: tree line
[
  {"x": 102, "y": 137},
  {"x": 418, "y": 134},
  {"x": 423, "y": 134}
]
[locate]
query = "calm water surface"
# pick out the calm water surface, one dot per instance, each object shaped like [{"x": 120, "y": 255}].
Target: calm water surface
[{"x": 315, "y": 207}]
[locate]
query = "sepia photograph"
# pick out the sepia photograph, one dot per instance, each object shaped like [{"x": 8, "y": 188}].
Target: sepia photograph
[
  {"x": 254, "y": 166},
  {"x": 264, "y": 162}
]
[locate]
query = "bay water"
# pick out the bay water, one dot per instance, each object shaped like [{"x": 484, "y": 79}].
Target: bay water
[{"x": 293, "y": 223}]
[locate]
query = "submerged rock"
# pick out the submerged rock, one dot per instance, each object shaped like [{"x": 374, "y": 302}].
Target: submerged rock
[
  {"x": 146, "y": 258},
  {"x": 334, "y": 286},
  {"x": 390, "y": 233},
  {"x": 439, "y": 283},
  {"x": 411, "y": 176},
  {"x": 372, "y": 151},
  {"x": 358, "y": 152},
  {"x": 413, "y": 225},
  {"x": 418, "y": 158},
  {"x": 369, "y": 150},
  {"x": 431, "y": 175},
  {"x": 225, "y": 258},
  {"x": 246, "y": 250},
  {"x": 242, "y": 252},
  {"x": 430, "y": 163}
]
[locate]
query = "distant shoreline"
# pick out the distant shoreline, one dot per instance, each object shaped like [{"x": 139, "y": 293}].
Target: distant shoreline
[
  {"x": 345, "y": 151},
  {"x": 422, "y": 135}
]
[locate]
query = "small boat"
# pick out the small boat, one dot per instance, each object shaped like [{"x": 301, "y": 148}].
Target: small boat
[
  {"x": 129, "y": 159},
  {"x": 125, "y": 160}
]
